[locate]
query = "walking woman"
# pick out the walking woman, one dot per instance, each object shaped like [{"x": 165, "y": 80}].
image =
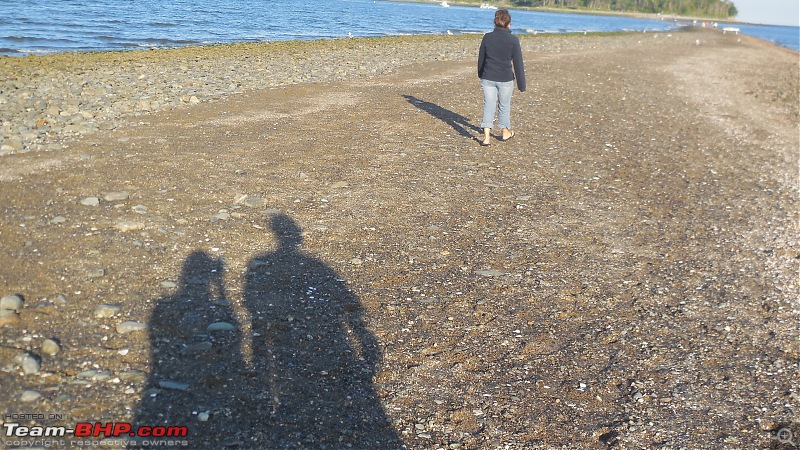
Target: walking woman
[{"x": 499, "y": 49}]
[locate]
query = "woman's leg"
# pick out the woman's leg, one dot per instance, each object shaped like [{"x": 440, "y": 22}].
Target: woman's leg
[
  {"x": 489, "y": 107},
  {"x": 504, "y": 91}
]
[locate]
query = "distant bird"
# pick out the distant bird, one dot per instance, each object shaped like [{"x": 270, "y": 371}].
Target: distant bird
[
  {"x": 449, "y": 33},
  {"x": 350, "y": 35},
  {"x": 697, "y": 42}
]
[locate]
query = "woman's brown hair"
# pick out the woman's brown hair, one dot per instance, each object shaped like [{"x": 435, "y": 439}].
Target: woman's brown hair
[{"x": 502, "y": 18}]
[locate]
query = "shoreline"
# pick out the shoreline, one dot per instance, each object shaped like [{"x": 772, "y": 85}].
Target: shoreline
[
  {"x": 631, "y": 14},
  {"x": 680, "y": 21},
  {"x": 43, "y": 110}
]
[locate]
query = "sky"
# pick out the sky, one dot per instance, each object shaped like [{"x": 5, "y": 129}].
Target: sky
[{"x": 770, "y": 12}]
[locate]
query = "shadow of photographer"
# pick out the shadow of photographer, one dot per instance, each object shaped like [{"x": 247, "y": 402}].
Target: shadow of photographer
[
  {"x": 195, "y": 342},
  {"x": 307, "y": 381}
]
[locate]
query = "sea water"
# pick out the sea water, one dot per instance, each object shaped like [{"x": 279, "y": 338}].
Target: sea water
[{"x": 50, "y": 26}]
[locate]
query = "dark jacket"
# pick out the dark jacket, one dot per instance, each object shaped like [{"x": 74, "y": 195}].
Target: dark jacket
[{"x": 498, "y": 50}]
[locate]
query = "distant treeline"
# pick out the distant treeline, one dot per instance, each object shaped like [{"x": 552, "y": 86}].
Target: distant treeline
[{"x": 693, "y": 8}]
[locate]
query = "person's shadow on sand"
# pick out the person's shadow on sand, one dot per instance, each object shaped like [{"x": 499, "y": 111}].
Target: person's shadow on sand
[
  {"x": 194, "y": 368},
  {"x": 314, "y": 357},
  {"x": 459, "y": 123}
]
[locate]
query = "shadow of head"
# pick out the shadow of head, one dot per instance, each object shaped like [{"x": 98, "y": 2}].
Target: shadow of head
[{"x": 287, "y": 231}]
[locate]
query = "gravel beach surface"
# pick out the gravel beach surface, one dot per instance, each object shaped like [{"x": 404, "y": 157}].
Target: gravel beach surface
[{"x": 303, "y": 245}]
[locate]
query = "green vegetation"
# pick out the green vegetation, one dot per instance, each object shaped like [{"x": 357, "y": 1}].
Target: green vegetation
[{"x": 691, "y": 8}]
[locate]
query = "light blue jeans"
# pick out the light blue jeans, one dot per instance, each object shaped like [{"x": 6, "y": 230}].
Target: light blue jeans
[{"x": 497, "y": 93}]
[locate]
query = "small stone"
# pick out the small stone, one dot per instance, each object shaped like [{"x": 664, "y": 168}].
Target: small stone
[
  {"x": 221, "y": 302},
  {"x": 97, "y": 273},
  {"x": 169, "y": 284},
  {"x": 106, "y": 311},
  {"x": 11, "y": 302},
  {"x": 220, "y": 326},
  {"x": 87, "y": 374},
  {"x": 174, "y": 385},
  {"x": 489, "y": 273},
  {"x": 128, "y": 225},
  {"x": 356, "y": 261},
  {"x": 203, "y": 417},
  {"x": 131, "y": 326},
  {"x": 29, "y": 363},
  {"x": 220, "y": 216},
  {"x": 58, "y": 219},
  {"x": 132, "y": 376},
  {"x": 255, "y": 202},
  {"x": 140, "y": 209},
  {"x": 8, "y": 317},
  {"x": 116, "y": 196},
  {"x": 50, "y": 347},
  {"x": 60, "y": 300},
  {"x": 94, "y": 375},
  {"x": 90, "y": 201},
  {"x": 29, "y": 396}
]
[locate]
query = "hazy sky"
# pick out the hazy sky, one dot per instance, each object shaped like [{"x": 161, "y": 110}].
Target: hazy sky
[{"x": 772, "y": 12}]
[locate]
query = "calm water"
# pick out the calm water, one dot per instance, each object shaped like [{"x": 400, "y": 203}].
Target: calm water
[{"x": 48, "y": 26}]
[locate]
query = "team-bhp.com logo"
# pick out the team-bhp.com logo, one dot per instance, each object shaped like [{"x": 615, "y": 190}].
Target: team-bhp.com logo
[{"x": 94, "y": 430}]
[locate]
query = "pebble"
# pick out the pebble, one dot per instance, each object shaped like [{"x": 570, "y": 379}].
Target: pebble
[
  {"x": 222, "y": 215},
  {"x": 128, "y": 225},
  {"x": 106, "y": 311},
  {"x": 222, "y": 301},
  {"x": 50, "y": 347},
  {"x": 90, "y": 201},
  {"x": 131, "y": 326},
  {"x": 255, "y": 202},
  {"x": 11, "y": 303},
  {"x": 116, "y": 196},
  {"x": 489, "y": 273},
  {"x": 169, "y": 284},
  {"x": 174, "y": 385},
  {"x": 30, "y": 363},
  {"x": 132, "y": 376},
  {"x": 94, "y": 375},
  {"x": 29, "y": 396},
  {"x": 220, "y": 326},
  {"x": 8, "y": 317}
]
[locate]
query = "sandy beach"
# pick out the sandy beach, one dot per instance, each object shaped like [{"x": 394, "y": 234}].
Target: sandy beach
[{"x": 303, "y": 245}]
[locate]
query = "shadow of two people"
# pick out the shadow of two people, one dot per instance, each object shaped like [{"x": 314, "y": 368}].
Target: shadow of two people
[{"x": 307, "y": 381}]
